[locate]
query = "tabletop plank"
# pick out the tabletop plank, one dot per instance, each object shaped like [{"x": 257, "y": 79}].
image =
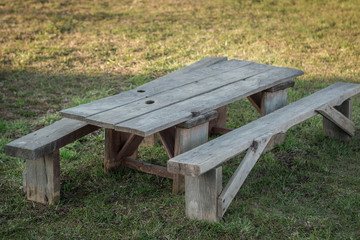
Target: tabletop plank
[
  {"x": 167, "y": 98},
  {"x": 163, "y": 118},
  {"x": 203, "y": 68}
]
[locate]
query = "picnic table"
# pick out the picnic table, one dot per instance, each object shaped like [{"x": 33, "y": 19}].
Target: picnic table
[{"x": 182, "y": 107}]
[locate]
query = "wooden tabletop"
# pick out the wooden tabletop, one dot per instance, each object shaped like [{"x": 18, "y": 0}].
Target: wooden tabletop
[{"x": 172, "y": 99}]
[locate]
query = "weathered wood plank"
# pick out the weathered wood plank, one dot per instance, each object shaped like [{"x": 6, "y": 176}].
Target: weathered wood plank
[
  {"x": 163, "y": 118},
  {"x": 186, "y": 139},
  {"x": 147, "y": 168},
  {"x": 204, "y": 68},
  {"x": 202, "y": 118},
  {"x": 42, "y": 179},
  {"x": 149, "y": 141},
  {"x": 46, "y": 140},
  {"x": 161, "y": 100},
  {"x": 167, "y": 138},
  {"x": 206, "y": 157},
  {"x": 221, "y": 130},
  {"x": 220, "y": 121},
  {"x": 131, "y": 145},
  {"x": 338, "y": 118},
  {"x": 201, "y": 195},
  {"x": 241, "y": 173},
  {"x": 332, "y": 130}
]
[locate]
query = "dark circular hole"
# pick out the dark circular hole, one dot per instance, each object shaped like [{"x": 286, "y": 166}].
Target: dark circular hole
[
  {"x": 140, "y": 90},
  {"x": 150, "y": 102}
]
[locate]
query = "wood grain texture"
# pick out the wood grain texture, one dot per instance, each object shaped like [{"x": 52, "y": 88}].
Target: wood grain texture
[
  {"x": 241, "y": 173},
  {"x": 173, "y": 96},
  {"x": 147, "y": 168},
  {"x": 204, "y": 68},
  {"x": 167, "y": 138},
  {"x": 42, "y": 179},
  {"x": 221, "y": 130},
  {"x": 165, "y": 117},
  {"x": 206, "y": 157},
  {"x": 48, "y": 139},
  {"x": 186, "y": 139},
  {"x": 201, "y": 195},
  {"x": 149, "y": 141},
  {"x": 331, "y": 129},
  {"x": 198, "y": 120},
  {"x": 220, "y": 121},
  {"x": 115, "y": 142}
]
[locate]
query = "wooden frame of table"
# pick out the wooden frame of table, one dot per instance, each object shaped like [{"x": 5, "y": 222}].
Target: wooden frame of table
[{"x": 182, "y": 107}]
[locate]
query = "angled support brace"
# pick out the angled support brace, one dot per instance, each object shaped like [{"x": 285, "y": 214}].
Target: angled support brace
[
  {"x": 241, "y": 173},
  {"x": 338, "y": 119}
]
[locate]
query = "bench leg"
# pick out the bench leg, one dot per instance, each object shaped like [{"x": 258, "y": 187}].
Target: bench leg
[
  {"x": 42, "y": 179},
  {"x": 116, "y": 142},
  {"x": 201, "y": 195},
  {"x": 185, "y": 140},
  {"x": 333, "y": 131}
]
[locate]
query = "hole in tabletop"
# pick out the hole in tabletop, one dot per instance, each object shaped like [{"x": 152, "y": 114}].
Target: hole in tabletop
[
  {"x": 140, "y": 90},
  {"x": 150, "y": 102}
]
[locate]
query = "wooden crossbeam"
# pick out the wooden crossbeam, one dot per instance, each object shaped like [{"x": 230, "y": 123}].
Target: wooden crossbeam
[
  {"x": 337, "y": 118},
  {"x": 147, "y": 168},
  {"x": 130, "y": 146},
  {"x": 241, "y": 173},
  {"x": 167, "y": 138},
  {"x": 221, "y": 130}
]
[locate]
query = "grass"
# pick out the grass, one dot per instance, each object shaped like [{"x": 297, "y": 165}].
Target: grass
[{"x": 58, "y": 54}]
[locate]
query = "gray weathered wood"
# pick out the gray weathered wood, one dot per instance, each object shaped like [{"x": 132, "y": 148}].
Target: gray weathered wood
[
  {"x": 220, "y": 121},
  {"x": 149, "y": 141},
  {"x": 206, "y": 157},
  {"x": 266, "y": 102},
  {"x": 170, "y": 97},
  {"x": 221, "y": 130},
  {"x": 147, "y": 168},
  {"x": 167, "y": 138},
  {"x": 165, "y": 117},
  {"x": 197, "y": 120},
  {"x": 241, "y": 173},
  {"x": 338, "y": 118},
  {"x": 48, "y": 139},
  {"x": 201, "y": 195},
  {"x": 272, "y": 101},
  {"x": 281, "y": 86},
  {"x": 117, "y": 148},
  {"x": 42, "y": 178},
  {"x": 332, "y": 130},
  {"x": 204, "y": 68},
  {"x": 186, "y": 139}
]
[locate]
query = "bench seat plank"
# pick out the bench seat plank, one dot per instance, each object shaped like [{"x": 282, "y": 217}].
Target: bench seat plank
[
  {"x": 211, "y": 154},
  {"x": 48, "y": 139}
]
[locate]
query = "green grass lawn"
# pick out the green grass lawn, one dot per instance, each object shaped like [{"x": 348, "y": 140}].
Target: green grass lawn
[{"x": 58, "y": 54}]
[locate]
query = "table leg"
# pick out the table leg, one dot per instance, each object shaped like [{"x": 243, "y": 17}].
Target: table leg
[
  {"x": 268, "y": 101},
  {"x": 119, "y": 145},
  {"x": 185, "y": 140},
  {"x": 220, "y": 121}
]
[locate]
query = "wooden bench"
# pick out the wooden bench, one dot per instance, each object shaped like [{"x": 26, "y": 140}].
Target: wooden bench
[
  {"x": 40, "y": 149},
  {"x": 204, "y": 197}
]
